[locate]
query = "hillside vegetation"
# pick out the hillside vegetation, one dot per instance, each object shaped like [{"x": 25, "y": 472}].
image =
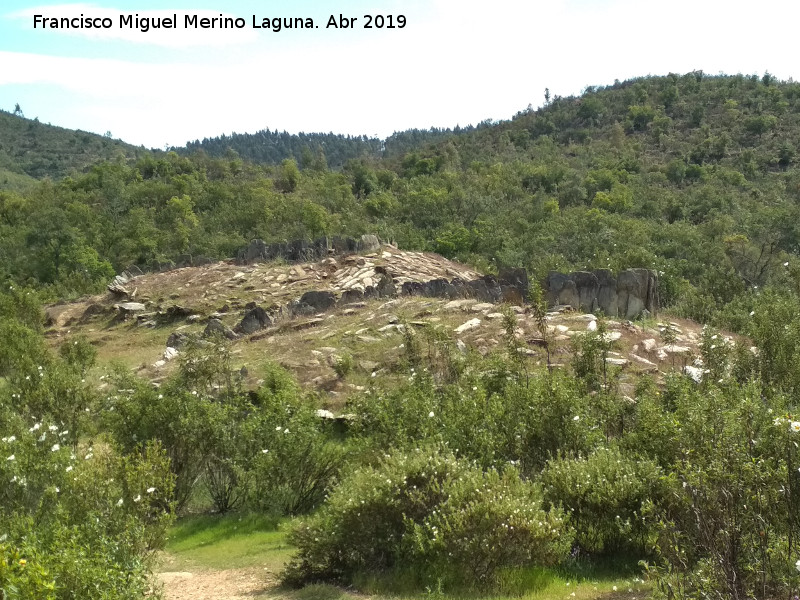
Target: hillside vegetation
[
  {"x": 694, "y": 176},
  {"x": 36, "y": 150},
  {"x": 411, "y": 444}
]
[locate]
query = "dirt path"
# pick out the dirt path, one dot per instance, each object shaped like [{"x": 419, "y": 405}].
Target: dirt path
[{"x": 229, "y": 584}]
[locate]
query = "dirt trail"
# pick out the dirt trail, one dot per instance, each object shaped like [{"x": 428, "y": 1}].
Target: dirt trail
[{"x": 228, "y": 584}]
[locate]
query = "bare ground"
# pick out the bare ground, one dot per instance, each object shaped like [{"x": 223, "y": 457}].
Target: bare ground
[{"x": 228, "y": 584}]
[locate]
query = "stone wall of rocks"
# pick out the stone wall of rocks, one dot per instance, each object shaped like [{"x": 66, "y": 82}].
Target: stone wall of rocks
[
  {"x": 306, "y": 251},
  {"x": 627, "y": 295}
]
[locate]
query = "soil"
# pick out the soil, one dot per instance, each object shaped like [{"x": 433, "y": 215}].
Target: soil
[{"x": 229, "y": 584}]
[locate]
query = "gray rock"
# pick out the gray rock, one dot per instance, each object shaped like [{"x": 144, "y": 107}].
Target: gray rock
[
  {"x": 255, "y": 319},
  {"x": 368, "y": 243},
  {"x": 128, "y": 309},
  {"x": 385, "y": 287},
  {"x": 217, "y": 327},
  {"x": 319, "y": 301},
  {"x": 177, "y": 340},
  {"x": 351, "y": 296}
]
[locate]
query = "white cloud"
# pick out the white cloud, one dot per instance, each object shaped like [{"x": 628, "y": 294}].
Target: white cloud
[{"x": 177, "y": 37}]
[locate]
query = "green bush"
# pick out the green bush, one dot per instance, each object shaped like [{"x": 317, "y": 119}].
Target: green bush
[
  {"x": 604, "y": 494},
  {"x": 85, "y": 522},
  {"x": 431, "y": 514}
]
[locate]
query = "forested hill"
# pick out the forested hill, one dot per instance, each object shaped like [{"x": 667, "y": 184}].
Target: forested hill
[
  {"x": 31, "y": 149},
  {"x": 695, "y": 176},
  {"x": 315, "y": 149}
]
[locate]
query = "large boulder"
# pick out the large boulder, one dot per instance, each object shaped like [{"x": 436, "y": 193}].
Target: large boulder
[
  {"x": 177, "y": 340},
  {"x": 587, "y": 286},
  {"x": 319, "y": 301},
  {"x": 633, "y": 292},
  {"x": 255, "y": 319},
  {"x": 350, "y": 296},
  {"x": 606, "y": 293},
  {"x": 369, "y": 243},
  {"x": 129, "y": 309},
  {"x": 515, "y": 278},
  {"x": 216, "y": 327},
  {"x": 561, "y": 289},
  {"x": 255, "y": 250},
  {"x": 386, "y": 287}
]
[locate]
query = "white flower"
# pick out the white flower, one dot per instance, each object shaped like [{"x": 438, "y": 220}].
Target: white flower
[
  {"x": 12, "y": 457},
  {"x": 795, "y": 426},
  {"x": 278, "y": 428},
  {"x": 150, "y": 490},
  {"x": 55, "y": 448},
  {"x": 69, "y": 468},
  {"x": 88, "y": 456},
  {"x": 752, "y": 312},
  {"x": 35, "y": 427},
  {"x": 53, "y": 428},
  {"x": 138, "y": 497},
  {"x": 797, "y": 565},
  {"x": 119, "y": 502},
  {"x": 576, "y": 418},
  {"x": 614, "y": 588},
  {"x": 786, "y": 264},
  {"x": 430, "y": 414},
  {"x": 286, "y": 430},
  {"x": 264, "y": 451}
]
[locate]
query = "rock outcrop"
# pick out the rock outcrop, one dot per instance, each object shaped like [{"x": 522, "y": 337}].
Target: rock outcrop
[{"x": 627, "y": 296}]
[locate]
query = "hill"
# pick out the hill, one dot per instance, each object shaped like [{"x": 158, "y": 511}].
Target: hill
[
  {"x": 314, "y": 149},
  {"x": 692, "y": 175},
  {"x": 33, "y": 150},
  {"x": 172, "y": 307}
]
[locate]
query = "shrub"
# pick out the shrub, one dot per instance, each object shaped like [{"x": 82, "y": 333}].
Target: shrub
[
  {"x": 604, "y": 494},
  {"x": 429, "y": 513},
  {"x": 78, "y": 522},
  {"x": 292, "y": 464}
]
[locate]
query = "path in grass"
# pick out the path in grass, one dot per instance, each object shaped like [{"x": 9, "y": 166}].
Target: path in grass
[{"x": 212, "y": 558}]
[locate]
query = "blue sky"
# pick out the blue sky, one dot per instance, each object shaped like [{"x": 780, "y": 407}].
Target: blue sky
[{"x": 455, "y": 62}]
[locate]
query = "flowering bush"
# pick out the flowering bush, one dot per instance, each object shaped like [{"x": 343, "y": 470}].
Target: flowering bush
[
  {"x": 604, "y": 494},
  {"x": 77, "y": 520},
  {"x": 427, "y": 512},
  {"x": 526, "y": 422}
]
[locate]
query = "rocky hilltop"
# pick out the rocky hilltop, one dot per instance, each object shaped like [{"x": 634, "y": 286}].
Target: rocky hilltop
[{"x": 311, "y": 316}]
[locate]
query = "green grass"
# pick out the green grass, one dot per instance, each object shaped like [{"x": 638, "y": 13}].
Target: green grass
[
  {"x": 579, "y": 581},
  {"x": 229, "y": 542},
  {"x": 236, "y": 541}
]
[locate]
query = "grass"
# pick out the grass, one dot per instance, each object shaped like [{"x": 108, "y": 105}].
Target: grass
[
  {"x": 240, "y": 541},
  {"x": 226, "y": 542}
]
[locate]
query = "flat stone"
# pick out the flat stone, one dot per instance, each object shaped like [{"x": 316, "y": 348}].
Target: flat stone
[
  {"x": 471, "y": 324},
  {"x": 617, "y": 362},
  {"x": 675, "y": 349},
  {"x": 643, "y": 361},
  {"x": 483, "y": 306},
  {"x": 611, "y": 336},
  {"x": 456, "y": 304}
]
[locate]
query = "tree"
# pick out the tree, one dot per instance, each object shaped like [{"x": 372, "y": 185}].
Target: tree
[{"x": 18, "y": 111}]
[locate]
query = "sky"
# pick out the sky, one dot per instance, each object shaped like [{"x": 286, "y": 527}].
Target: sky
[{"x": 456, "y": 62}]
